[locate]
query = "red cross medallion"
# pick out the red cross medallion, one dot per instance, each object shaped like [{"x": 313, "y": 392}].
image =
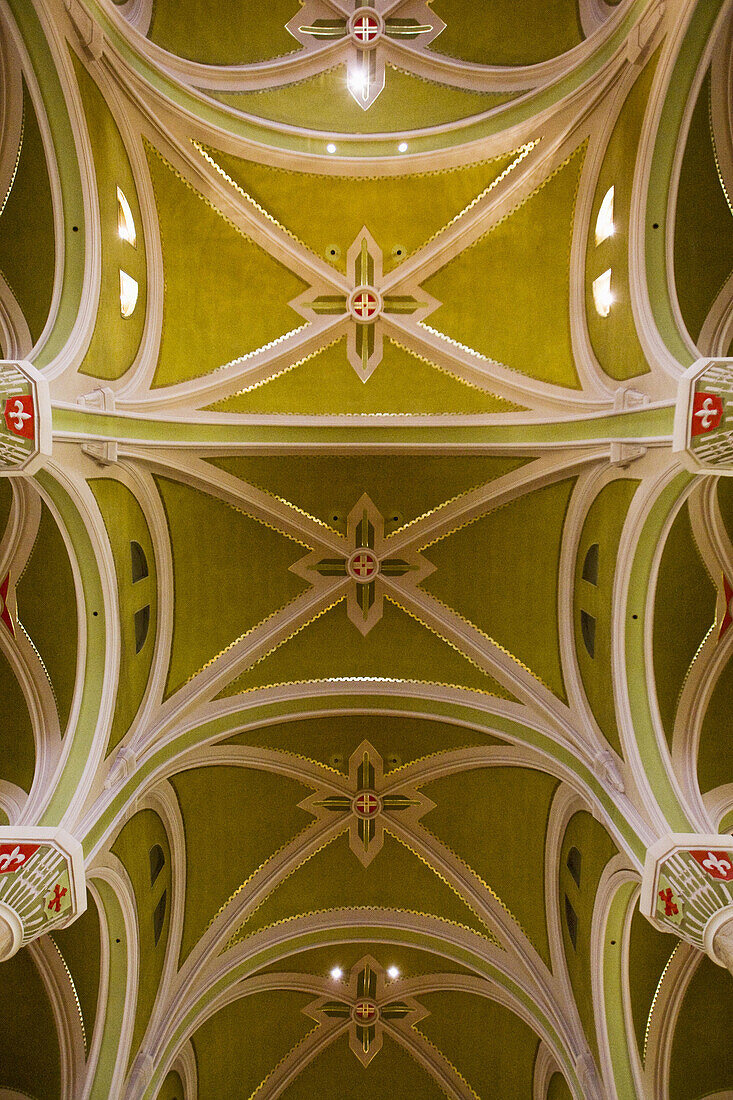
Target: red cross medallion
[
  {"x": 365, "y": 305},
  {"x": 366, "y": 804},
  {"x": 363, "y": 566},
  {"x": 365, "y": 1012},
  {"x": 365, "y": 29}
]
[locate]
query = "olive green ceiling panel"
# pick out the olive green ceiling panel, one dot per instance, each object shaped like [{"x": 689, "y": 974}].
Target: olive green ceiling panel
[
  {"x": 725, "y": 503},
  {"x": 520, "y": 273},
  {"x": 396, "y": 648},
  {"x": 328, "y": 212},
  {"x": 702, "y": 1051},
  {"x": 714, "y": 764},
  {"x": 336, "y": 1074},
  {"x": 594, "y": 598},
  {"x": 684, "y": 611},
  {"x": 242, "y": 1044},
  {"x": 172, "y": 1087},
  {"x": 649, "y": 953},
  {"x": 203, "y": 250},
  {"x": 29, "y": 1052},
  {"x": 217, "y": 598},
  {"x": 17, "y": 745},
  {"x": 558, "y": 1088},
  {"x": 410, "y": 961},
  {"x": 490, "y": 816},
  {"x": 27, "y": 248},
  {"x": 6, "y": 502},
  {"x": 614, "y": 338},
  {"x": 335, "y": 879},
  {"x": 332, "y": 740},
  {"x": 218, "y": 860},
  {"x": 80, "y": 946},
  {"x": 220, "y": 32},
  {"x": 401, "y": 486},
  {"x": 595, "y": 848},
  {"x": 506, "y": 32},
  {"x": 135, "y": 846},
  {"x": 703, "y": 239},
  {"x": 514, "y": 555},
  {"x": 326, "y": 384},
  {"x": 48, "y": 583},
  {"x": 116, "y": 338},
  {"x": 128, "y": 530},
  {"x": 323, "y": 102},
  {"x": 491, "y": 1047}
]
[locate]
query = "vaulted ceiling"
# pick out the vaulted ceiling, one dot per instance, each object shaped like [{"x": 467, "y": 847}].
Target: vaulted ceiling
[{"x": 362, "y": 623}]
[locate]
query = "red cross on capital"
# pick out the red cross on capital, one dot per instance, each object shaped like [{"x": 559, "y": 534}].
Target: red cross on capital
[
  {"x": 366, "y": 28},
  {"x": 366, "y": 804},
  {"x": 670, "y": 909},
  {"x": 365, "y": 1011},
  {"x": 59, "y": 892}
]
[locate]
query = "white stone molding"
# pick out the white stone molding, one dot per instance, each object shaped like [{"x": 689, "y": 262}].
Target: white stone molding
[
  {"x": 184, "y": 1064},
  {"x": 61, "y": 992}
]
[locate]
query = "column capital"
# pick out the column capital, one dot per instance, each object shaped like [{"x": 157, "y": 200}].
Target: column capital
[
  {"x": 25, "y": 417},
  {"x": 42, "y": 884},
  {"x": 703, "y": 425},
  {"x": 687, "y": 889}
]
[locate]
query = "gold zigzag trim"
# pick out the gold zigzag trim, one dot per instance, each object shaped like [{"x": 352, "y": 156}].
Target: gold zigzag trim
[
  {"x": 17, "y": 162},
  {"x": 483, "y": 883},
  {"x": 423, "y": 859},
  {"x": 450, "y": 374},
  {"x": 282, "y": 641},
  {"x": 288, "y": 504},
  {"x": 437, "y": 1049},
  {"x": 655, "y": 998},
  {"x": 365, "y": 909},
  {"x": 434, "y": 511},
  {"x": 284, "y": 1059},
  {"x": 369, "y": 680},
  {"x": 715, "y": 151},
  {"x": 285, "y": 370},
  {"x": 581, "y": 149},
  {"x": 73, "y": 990},
  {"x": 453, "y": 645}
]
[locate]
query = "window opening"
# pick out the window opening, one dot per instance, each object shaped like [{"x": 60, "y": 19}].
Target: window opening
[
  {"x": 125, "y": 220},
  {"x": 142, "y": 624},
  {"x": 604, "y": 222},
  {"x": 159, "y": 916},
  {"x": 588, "y": 630},
  {"x": 573, "y": 861},
  {"x": 571, "y": 919},
  {"x": 139, "y": 562},
  {"x": 157, "y": 862},
  {"x": 590, "y": 565}
]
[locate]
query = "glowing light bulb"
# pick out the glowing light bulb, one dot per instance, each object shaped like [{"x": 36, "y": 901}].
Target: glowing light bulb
[
  {"x": 330, "y": 148},
  {"x": 604, "y": 222},
  {"x": 337, "y": 973},
  {"x": 393, "y": 972},
  {"x": 603, "y": 297},
  {"x": 402, "y": 147}
]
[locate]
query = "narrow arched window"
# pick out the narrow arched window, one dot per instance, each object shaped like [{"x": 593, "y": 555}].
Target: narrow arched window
[
  {"x": 573, "y": 862},
  {"x": 128, "y": 294},
  {"x": 142, "y": 625},
  {"x": 159, "y": 916},
  {"x": 604, "y": 222},
  {"x": 125, "y": 220},
  {"x": 571, "y": 919},
  {"x": 588, "y": 630},
  {"x": 139, "y": 562},
  {"x": 157, "y": 862},
  {"x": 590, "y": 565}
]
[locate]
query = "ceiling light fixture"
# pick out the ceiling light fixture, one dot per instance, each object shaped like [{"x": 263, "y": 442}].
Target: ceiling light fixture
[
  {"x": 402, "y": 147},
  {"x": 337, "y": 973},
  {"x": 393, "y": 972},
  {"x": 330, "y": 148}
]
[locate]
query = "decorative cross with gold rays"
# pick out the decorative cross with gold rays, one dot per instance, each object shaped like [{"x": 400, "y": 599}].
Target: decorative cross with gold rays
[
  {"x": 365, "y": 305},
  {"x": 367, "y": 562},
  {"x": 365, "y": 30},
  {"x": 369, "y": 1004},
  {"x": 367, "y": 802}
]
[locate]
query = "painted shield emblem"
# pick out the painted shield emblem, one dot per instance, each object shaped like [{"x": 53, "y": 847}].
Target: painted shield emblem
[
  {"x": 707, "y": 412},
  {"x": 717, "y": 864},
  {"x": 19, "y": 416},
  {"x": 14, "y": 856}
]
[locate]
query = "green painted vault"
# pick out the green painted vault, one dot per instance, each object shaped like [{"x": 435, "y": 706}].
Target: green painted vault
[{"x": 361, "y": 622}]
